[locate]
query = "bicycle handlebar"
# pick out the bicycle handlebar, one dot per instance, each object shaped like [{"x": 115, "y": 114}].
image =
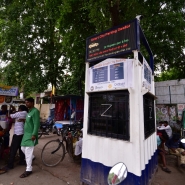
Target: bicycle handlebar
[{"x": 70, "y": 128}]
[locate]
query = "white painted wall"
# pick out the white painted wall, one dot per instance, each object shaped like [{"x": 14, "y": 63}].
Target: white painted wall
[{"x": 44, "y": 109}]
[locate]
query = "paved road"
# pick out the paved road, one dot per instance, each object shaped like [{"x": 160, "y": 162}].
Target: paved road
[
  {"x": 67, "y": 172},
  {"x": 176, "y": 177}
]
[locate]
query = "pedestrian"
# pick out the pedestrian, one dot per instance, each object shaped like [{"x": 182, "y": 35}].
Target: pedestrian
[
  {"x": 174, "y": 148},
  {"x": 166, "y": 132},
  {"x": 3, "y": 117},
  {"x": 78, "y": 147},
  {"x": 20, "y": 117},
  {"x": 1, "y": 147},
  {"x": 161, "y": 152},
  {"x": 30, "y": 138},
  {"x": 3, "y": 112},
  {"x": 166, "y": 128}
]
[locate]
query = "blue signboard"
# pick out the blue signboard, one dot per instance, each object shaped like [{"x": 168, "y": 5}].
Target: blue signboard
[
  {"x": 9, "y": 90},
  {"x": 147, "y": 74},
  {"x": 111, "y": 74},
  {"x": 100, "y": 74},
  {"x": 117, "y": 71}
]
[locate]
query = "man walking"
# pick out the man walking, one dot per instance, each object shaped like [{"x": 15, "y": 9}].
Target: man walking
[{"x": 30, "y": 138}]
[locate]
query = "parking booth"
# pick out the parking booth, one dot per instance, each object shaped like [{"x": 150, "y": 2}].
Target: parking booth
[{"x": 119, "y": 109}]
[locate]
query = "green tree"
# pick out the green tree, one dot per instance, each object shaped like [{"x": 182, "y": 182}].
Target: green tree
[
  {"x": 171, "y": 74},
  {"x": 35, "y": 34},
  {"x": 163, "y": 25},
  {"x": 30, "y": 40}
]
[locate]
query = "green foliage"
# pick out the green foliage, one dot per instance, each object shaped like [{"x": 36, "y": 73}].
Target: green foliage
[
  {"x": 31, "y": 41},
  {"x": 72, "y": 85},
  {"x": 171, "y": 74},
  {"x": 44, "y": 39},
  {"x": 163, "y": 27}
]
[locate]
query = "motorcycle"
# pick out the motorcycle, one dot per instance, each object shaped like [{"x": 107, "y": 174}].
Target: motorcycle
[
  {"x": 182, "y": 143},
  {"x": 78, "y": 124},
  {"x": 46, "y": 128}
]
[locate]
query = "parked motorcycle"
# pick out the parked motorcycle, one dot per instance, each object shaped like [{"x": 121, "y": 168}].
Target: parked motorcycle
[
  {"x": 182, "y": 143},
  {"x": 78, "y": 124},
  {"x": 46, "y": 128}
]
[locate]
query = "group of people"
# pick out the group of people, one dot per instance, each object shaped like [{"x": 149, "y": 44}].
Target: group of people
[
  {"x": 167, "y": 139},
  {"x": 27, "y": 123}
]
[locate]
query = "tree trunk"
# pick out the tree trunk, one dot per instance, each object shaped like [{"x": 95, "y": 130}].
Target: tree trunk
[{"x": 114, "y": 11}]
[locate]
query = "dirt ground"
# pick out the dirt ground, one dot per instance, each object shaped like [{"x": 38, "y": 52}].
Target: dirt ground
[{"x": 176, "y": 177}]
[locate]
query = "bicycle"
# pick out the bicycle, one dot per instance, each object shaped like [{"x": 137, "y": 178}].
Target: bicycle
[{"x": 54, "y": 151}]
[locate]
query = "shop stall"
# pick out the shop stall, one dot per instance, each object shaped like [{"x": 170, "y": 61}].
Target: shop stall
[
  {"x": 68, "y": 108},
  {"x": 6, "y": 99}
]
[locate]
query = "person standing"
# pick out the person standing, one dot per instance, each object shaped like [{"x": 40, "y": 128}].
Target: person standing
[
  {"x": 161, "y": 152},
  {"x": 3, "y": 117},
  {"x": 174, "y": 148},
  {"x": 78, "y": 147},
  {"x": 1, "y": 147},
  {"x": 30, "y": 138},
  {"x": 166, "y": 132},
  {"x": 17, "y": 137},
  {"x": 3, "y": 112},
  {"x": 166, "y": 127},
  {"x": 4, "y": 137}
]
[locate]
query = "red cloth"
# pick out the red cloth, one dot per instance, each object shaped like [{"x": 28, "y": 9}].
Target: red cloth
[{"x": 159, "y": 134}]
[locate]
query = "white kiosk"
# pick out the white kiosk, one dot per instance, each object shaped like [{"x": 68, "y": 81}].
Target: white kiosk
[{"x": 119, "y": 116}]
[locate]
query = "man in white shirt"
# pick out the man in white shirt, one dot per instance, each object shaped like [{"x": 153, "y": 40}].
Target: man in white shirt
[
  {"x": 165, "y": 127},
  {"x": 78, "y": 146}
]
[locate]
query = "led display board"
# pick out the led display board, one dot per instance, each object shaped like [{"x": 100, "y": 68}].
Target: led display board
[{"x": 113, "y": 42}]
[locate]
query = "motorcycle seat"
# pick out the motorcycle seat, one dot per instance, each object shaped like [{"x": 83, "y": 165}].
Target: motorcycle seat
[{"x": 45, "y": 123}]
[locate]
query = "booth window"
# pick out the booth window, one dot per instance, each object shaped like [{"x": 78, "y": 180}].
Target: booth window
[
  {"x": 109, "y": 114},
  {"x": 149, "y": 118}
]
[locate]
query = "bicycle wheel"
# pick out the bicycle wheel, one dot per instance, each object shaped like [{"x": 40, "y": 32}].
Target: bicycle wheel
[
  {"x": 40, "y": 132},
  {"x": 53, "y": 153}
]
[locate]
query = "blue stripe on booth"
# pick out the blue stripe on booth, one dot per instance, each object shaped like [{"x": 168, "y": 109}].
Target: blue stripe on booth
[{"x": 93, "y": 173}]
